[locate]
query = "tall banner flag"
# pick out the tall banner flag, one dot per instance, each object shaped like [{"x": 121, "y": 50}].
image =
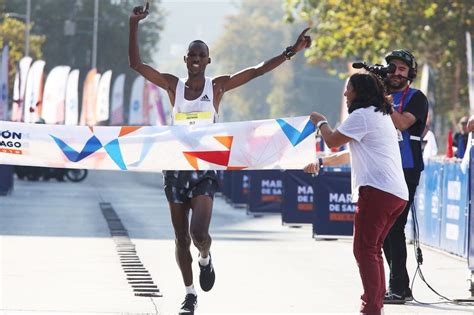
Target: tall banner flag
[
  {"x": 54, "y": 96},
  {"x": 71, "y": 115},
  {"x": 89, "y": 95},
  {"x": 4, "y": 85},
  {"x": 135, "y": 116},
  {"x": 19, "y": 87},
  {"x": 470, "y": 72},
  {"x": 116, "y": 115},
  {"x": 103, "y": 97},
  {"x": 262, "y": 144},
  {"x": 34, "y": 92},
  {"x": 153, "y": 104}
]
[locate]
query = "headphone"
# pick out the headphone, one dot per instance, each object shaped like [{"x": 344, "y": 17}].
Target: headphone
[{"x": 408, "y": 58}]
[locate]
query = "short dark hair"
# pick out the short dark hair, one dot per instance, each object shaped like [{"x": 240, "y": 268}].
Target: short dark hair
[
  {"x": 369, "y": 91},
  {"x": 198, "y": 41}
]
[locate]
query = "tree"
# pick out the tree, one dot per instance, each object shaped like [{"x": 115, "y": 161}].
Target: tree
[
  {"x": 12, "y": 33},
  {"x": 293, "y": 89},
  {"x": 434, "y": 30}
]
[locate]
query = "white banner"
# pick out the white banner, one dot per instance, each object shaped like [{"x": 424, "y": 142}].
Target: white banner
[
  {"x": 116, "y": 116},
  {"x": 102, "y": 108},
  {"x": 4, "y": 85},
  {"x": 264, "y": 144},
  {"x": 470, "y": 72},
  {"x": 135, "y": 116},
  {"x": 19, "y": 87},
  {"x": 72, "y": 99},
  {"x": 55, "y": 95},
  {"x": 34, "y": 92}
]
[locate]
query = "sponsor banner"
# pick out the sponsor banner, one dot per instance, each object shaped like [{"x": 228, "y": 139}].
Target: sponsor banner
[
  {"x": 455, "y": 209},
  {"x": 266, "y": 191},
  {"x": 4, "y": 85},
  {"x": 72, "y": 99},
  {"x": 116, "y": 110},
  {"x": 263, "y": 144},
  {"x": 298, "y": 201},
  {"x": 34, "y": 92},
  {"x": 102, "y": 108},
  {"x": 55, "y": 95},
  {"x": 153, "y": 111},
  {"x": 19, "y": 87},
  {"x": 136, "y": 116},
  {"x": 89, "y": 97},
  {"x": 470, "y": 232},
  {"x": 333, "y": 208},
  {"x": 240, "y": 187}
]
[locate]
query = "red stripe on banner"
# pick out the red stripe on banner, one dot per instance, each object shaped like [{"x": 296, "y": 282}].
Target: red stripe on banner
[
  {"x": 305, "y": 207},
  {"x": 11, "y": 151},
  {"x": 341, "y": 217}
]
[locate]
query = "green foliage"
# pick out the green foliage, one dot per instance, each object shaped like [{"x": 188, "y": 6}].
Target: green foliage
[
  {"x": 257, "y": 33},
  {"x": 12, "y": 33},
  {"x": 434, "y": 30}
]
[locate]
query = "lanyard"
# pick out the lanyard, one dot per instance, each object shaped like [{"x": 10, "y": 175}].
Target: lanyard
[{"x": 402, "y": 101}]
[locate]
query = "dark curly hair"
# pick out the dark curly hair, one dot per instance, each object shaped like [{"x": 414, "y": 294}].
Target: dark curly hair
[{"x": 369, "y": 91}]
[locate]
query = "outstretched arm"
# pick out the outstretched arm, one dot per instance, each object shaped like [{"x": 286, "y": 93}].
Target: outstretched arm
[
  {"x": 165, "y": 81},
  {"x": 229, "y": 82}
]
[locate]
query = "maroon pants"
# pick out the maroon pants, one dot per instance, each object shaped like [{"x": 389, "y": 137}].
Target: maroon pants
[{"x": 376, "y": 212}]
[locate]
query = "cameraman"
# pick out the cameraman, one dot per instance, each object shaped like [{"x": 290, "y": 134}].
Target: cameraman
[{"x": 409, "y": 117}]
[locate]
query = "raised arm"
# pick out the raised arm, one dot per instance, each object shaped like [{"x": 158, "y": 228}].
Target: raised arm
[
  {"x": 165, "y": 81},
  {"x": 229, "y": 82}
]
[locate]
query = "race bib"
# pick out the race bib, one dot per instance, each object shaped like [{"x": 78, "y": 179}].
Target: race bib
[{"x": 194, "y": 118}]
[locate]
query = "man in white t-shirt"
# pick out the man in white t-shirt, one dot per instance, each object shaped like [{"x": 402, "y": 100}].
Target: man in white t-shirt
[{"x": 378, "y": 184}]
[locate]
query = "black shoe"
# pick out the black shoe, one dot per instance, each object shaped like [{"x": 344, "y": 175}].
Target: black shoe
[
  {"x": 392, "y": 298},
  {"x": 189, "y": 305},
  {"x": 408, "y": 295},
  {"x": 207, "y": 277}
]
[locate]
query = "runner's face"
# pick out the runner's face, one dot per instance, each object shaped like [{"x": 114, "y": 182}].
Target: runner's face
[
  {"x": 197, "y": 58},
  {"x": 397, "y": 80}
]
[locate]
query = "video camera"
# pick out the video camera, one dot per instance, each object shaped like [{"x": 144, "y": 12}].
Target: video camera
[{"x": 379, "y": 70}]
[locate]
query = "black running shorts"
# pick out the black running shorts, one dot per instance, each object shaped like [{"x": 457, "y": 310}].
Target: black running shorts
[{"x": 182, "y": 186}]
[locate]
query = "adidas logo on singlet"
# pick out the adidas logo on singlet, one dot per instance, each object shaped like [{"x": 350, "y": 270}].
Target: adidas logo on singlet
[{"x": 205, "y": 98}]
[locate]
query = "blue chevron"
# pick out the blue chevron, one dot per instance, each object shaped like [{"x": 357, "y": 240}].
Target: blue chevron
[
  {"x": 91, "y": 146},
  {"x": 113, "y": 149},
  {"x": 293, "y": 134}
]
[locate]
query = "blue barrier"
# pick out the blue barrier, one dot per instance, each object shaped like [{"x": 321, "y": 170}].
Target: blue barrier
[
  {"x": 227, "y": 187},
  {"x": 470, "y": 251},
  {"x": 297, "y": 206},
  {"x": 333, "y": 209},
  {"x": 454, "y": 209},
  {"x": 240, "y": 187},
  {"x": 429, "y": 217},
  {"x": 6, "y": 179},
  {"x": 266, "y": 191}
]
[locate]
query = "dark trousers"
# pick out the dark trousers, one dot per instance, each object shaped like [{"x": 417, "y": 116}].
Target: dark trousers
[{"x": 395, "y": 248}]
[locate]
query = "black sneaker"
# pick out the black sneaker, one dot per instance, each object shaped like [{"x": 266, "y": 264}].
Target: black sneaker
[
  {"x": 207, "y": 276},
  {"x": 408, "y": 295},
  {"x": 392, "y": 298},
  {"x": 189, "y": 305}
]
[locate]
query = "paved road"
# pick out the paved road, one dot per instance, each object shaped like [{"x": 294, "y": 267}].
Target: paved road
[{"x": 58, "y": 257}]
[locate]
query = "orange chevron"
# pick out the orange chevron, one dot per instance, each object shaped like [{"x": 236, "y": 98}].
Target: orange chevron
[
  {"x": 128, "y": 129},
  {"x": 225, "y": 140}
]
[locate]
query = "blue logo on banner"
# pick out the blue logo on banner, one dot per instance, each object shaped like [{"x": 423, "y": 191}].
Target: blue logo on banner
[{"x": 293, "y": 134}]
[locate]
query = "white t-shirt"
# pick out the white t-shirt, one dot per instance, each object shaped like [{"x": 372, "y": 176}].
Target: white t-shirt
[{"x": 375, "y": 153}]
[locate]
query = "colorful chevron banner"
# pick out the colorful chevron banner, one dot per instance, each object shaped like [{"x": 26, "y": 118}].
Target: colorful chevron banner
[{"x": 263, "y": 144}]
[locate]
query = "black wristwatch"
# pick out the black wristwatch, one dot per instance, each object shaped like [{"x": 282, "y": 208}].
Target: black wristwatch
[{"x": 288, "y": 53}]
